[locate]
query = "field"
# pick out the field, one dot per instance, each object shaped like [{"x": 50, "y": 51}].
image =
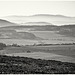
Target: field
[
  {"x": 64, "y": 53},
  {"x": 49, "y": 37},
  {"x": 53, "y": 35},
  {"x": 18, "y": 41}
]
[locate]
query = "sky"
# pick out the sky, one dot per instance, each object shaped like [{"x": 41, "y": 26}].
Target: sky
[{"x": 26, "y": 8}]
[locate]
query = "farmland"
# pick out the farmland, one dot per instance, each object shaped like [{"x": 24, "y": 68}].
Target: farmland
[
  {"x": 48, "y": 37},
  {"x": 64, "y": 53}
]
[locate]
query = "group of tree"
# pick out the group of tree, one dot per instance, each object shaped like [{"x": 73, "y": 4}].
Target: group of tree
[
  {"x": 2, "y": 46},
  {"x": 54, "y": 44}
]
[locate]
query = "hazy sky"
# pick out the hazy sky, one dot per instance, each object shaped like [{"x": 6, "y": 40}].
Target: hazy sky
[{"x": 37, "y": 7}]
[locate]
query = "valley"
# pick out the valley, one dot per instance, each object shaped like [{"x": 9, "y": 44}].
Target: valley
[
  {"x": 30, "y": 36},
  {"x": 37, "y": 37}
]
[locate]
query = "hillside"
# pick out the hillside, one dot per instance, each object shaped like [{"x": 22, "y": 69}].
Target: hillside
[
  {"x": 4, "y": 23},
  {"x": 24, "y": 65},
  {"x": 66, "y": 30},
  {"x": 12, "y": 34}
]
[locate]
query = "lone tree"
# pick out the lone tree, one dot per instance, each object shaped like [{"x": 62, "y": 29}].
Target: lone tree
[{"x": 2, "y": 45}]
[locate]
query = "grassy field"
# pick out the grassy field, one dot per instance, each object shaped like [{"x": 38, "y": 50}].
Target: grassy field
[
  {"x": 46, "y": 56},
  {"x": 66, "y": 50},
  {"x": 52, "y": 35},
  {"x": 64, "y": 53},
  {"x": 49, "y": 37}
]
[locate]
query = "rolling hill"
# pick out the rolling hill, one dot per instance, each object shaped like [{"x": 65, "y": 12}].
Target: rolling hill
[
  {"x": 67, "y": 30},
  {"x": 28, "y": 30},
  {"x": 53, "y": 19}
]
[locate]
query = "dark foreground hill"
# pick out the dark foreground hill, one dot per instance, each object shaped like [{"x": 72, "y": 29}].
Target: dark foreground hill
[{"x": 24, "y": 65}]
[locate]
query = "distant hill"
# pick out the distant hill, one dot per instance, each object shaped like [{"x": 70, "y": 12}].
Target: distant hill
[
  {"x": 52, "y": 19},
  {"x": 37, "y": 23},
  {"x": 4, "y": 23}
]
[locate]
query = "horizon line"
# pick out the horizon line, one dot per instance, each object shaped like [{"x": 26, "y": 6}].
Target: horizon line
[{"x": 37, "y": 15}]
